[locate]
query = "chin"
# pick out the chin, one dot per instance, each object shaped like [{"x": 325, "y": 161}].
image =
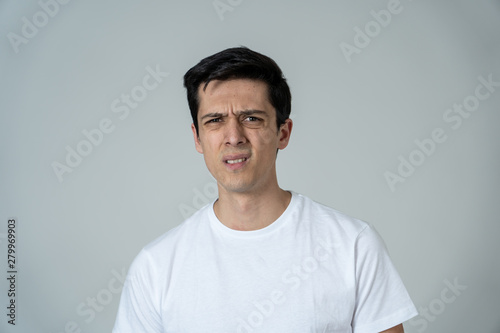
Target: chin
[{"x": 237, "y": 187}]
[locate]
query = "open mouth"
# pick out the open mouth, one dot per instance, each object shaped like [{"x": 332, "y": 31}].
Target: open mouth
[{"x": 239, "y": 160}]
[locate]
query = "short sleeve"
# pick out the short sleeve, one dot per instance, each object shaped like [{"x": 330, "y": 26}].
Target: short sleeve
[
  {"x": 382, "y": 301},
  {"x": 137, "y": 312}
]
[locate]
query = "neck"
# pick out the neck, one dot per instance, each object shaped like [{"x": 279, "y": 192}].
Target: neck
[{"x": 251, "y": 211}]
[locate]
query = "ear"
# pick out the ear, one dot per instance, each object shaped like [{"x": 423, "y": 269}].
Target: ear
[
  {"x": 197, "y": 143},
  {"x": 284, "y": 133}
]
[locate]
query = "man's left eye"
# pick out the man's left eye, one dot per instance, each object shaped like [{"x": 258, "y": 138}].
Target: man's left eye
[{"x": 252, "y": 118}]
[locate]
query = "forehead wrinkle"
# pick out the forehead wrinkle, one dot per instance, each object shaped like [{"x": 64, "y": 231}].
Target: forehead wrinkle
[
  {"x": 222, "y": 103},
  {"x": 245, "y": 112},
  {"x": 213, "y": 115},
  {"x": 250, "y": 112}
]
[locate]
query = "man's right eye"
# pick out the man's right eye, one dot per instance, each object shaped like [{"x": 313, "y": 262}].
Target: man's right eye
[{"x": 214, "y": 120}]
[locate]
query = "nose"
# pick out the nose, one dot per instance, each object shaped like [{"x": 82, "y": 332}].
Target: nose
[{"x": 235, "y": 134}]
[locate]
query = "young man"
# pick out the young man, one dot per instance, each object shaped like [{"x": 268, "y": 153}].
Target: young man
[{"x": 259, "y": 258}]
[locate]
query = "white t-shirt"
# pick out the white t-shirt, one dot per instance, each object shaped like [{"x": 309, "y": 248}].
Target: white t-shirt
[{"x": 312, "y": 270}]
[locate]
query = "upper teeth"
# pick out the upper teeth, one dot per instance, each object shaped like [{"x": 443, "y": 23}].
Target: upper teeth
[{"x": 236, "y": 161}]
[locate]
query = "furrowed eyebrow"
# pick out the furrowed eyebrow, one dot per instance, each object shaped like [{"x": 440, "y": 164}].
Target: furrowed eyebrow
[
  {"x": 251, "y": 112},
  {"x": 212, "y": 115},
  {"x": 243, "y": 113}
]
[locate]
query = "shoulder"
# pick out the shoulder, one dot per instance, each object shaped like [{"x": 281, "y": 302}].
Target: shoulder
[
  {"x": 328, "y": 219},
  {"x": 172, "y": 244},
  {"x": 187, "y": 229}
]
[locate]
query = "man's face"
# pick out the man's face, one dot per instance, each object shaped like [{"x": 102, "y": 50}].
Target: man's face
[{"x": 238, "y": 136}]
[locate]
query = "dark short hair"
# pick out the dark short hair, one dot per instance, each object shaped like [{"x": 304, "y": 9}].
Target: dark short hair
[{"x": 239, "y": 63}]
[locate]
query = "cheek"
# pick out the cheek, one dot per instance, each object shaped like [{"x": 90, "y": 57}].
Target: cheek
[
  {"x": 268, "y": 138},
  {"x": 209, "y": 146}
]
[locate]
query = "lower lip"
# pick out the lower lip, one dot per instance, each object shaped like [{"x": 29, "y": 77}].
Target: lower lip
[{"x": 236, "y": 166}]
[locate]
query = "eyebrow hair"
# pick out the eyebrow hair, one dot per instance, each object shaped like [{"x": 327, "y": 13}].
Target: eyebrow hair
[
  {"x": 251, "y": 112},
  {"x": 242, "y": 112},
  {"x": 212, "y": 115}
]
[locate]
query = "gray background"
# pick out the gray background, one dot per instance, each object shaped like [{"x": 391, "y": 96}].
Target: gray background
[{"x": 352, "y": 121}]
